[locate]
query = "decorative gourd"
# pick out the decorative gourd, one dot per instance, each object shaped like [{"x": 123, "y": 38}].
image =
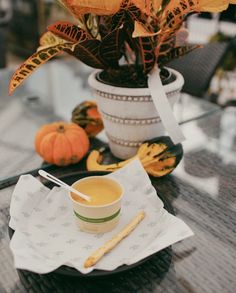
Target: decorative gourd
[
  {"x": 61, "y": 143},
  {"x": 86, "y": 115},
  {"x": 158, "y": 156}
]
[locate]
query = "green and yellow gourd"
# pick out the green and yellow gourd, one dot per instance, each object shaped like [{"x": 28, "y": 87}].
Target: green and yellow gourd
[
  {"x": 158, "y": 156},
  {"x": 86, "y": 115}
]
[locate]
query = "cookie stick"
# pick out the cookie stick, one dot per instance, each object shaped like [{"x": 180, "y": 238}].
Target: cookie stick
[{"x": 110, "y": 244}]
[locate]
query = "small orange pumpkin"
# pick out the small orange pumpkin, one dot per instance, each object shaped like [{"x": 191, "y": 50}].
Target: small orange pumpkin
[{"x": 61, "y": 143}]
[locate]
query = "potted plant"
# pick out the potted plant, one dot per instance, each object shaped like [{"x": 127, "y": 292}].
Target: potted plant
[{"x": 125, "y": 40}]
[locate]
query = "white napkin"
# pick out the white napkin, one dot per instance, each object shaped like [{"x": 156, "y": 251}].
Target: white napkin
[{"x": 46, "y": 236}]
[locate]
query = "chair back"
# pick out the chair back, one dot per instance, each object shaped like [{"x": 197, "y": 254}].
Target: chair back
[{"x": 199, "y": 66}]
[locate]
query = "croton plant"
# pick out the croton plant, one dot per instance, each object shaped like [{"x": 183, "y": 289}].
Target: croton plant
[{"x": 108, "y": 33}]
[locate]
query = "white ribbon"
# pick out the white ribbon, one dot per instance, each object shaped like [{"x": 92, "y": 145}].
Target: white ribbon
[{"x": 163, "y": 107}]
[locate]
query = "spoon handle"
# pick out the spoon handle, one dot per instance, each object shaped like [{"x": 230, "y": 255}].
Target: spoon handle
[
  {"x": 52, "y": 178},
  {"x": 62, "y": 184}
]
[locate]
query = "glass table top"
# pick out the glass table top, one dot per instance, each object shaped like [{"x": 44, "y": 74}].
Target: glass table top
[
  {"x": 201, "y": 189},
  {"x": 51, "y": 94},
  {"x": 202, "y": 193}
]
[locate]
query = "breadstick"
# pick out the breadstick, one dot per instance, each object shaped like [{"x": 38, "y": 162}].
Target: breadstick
[{"x": 110, "y": 244}]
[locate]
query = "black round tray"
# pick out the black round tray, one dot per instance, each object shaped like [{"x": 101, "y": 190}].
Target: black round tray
[{"x": 71, "y": 272}]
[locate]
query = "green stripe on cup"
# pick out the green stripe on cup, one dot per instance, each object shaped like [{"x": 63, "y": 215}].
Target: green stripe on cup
[{"x": 98, "y": 220}]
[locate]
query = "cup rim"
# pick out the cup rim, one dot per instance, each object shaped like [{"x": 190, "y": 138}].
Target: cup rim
[{"x": 98, "y": 206}]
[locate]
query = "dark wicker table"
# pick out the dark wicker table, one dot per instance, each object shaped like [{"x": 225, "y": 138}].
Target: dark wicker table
[{"x": 202, "y": 192}]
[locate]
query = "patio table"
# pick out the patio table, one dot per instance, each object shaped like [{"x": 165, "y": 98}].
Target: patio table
[
  {"x": 201, "y": 191},
  {"x": 49, "y": 95}
]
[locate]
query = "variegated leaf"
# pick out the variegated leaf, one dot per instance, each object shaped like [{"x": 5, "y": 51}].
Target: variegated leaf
[
  {"x": 98, "y": 7},
  {"x": 48, "y": 39},
  {"x": 164, "y": 4},
  {"x": 166, "y": 46},
  {"x": 127, "y": 8},
  {"x": 135, "y": 13},
  {"x": 91, "y": 23},
  {"x": 175, "y": 11},
  {"x": 140, "y": 30},
  {"x": 147, "y": 54},
  {"x": 110, "y": 48},
  {"x": 176, "y": 53},
  {"x": 69, "y": 31},
  {"x": 132, "y": 46},
  {"x": 172, "y": 20},
  {"x": 117, "y": 19},
  {"x": 88, "y": 52},
  {"x": 104, "y": 25},
  {"x": 36, "y": 60},
  {"x": 51, "y": 45}
]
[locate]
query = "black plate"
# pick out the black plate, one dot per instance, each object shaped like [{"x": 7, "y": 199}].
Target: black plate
[{"x": 68, "y": 271}]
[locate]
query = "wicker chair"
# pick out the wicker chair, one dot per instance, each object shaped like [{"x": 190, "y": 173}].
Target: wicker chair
[{"x": 199, "y": 66}]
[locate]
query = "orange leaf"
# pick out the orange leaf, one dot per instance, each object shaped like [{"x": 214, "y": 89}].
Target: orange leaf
[
  {"x": 98, "y": 7},
  {"x": 69, "y": 31},
  {"x": 51, "y": 45},
  {"x": 213, "y": 5},
  {"x": 149, "y": 7},
  {"x": 141, "y": 31},
  {"x": 36, "y": 60}
]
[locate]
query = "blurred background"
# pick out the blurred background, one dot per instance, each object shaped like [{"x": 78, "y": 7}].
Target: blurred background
[{"x": 23, "y": 21}]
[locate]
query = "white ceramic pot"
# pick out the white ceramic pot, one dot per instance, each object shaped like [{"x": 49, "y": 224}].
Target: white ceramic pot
[{"x": 129, "y": 114}]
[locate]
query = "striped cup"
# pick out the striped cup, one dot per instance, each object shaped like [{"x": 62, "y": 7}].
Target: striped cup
[{"x": 98, "y": 218}]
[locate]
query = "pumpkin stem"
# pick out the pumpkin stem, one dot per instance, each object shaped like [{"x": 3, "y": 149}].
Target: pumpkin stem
[{"x": 61, "y": 128}]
